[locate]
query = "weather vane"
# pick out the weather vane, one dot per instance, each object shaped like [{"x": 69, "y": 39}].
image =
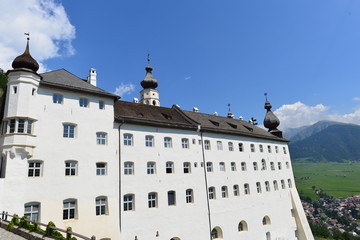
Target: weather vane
[
  {"x": 229, "y": 107},
  {"x": 265, "y": 94},
  {"x": 28, "y": 35},
  {"x": 148, "y": 58}
]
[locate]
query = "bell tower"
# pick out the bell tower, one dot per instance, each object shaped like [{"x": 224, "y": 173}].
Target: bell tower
[{"x": 149, "y": 95}]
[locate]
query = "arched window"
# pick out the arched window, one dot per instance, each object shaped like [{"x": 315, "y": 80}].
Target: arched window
[
  {"x": 231, "y": 146},
  {"x": 169, "y": 167},
  {"x": 258, "y": 187},
  {"x": 233, "y": 166},
  {"x": 266, "y": 221},
  {"x": 207, "y": 145},
  {"x": 272, "y": 166},
  {"x": 101, "y": 138},
  {"x": 242, "y": 226},
  {"x": 276, "y": 185},
  {"x": 241, "y": 147},
  {"x": 152, "y": 200},
  {"x": 267, "y": 186},
  {"x": 283, "y": 184},
  {"x": 252, "y": 147},
  {"x": 289, "y": 183},
  {"x": 128, "y": 139},
  {"x": 187, "y": 167},
  {"x": 149, "y": 141},
  {"x": 189, "y": 196},
  {"x": 216, "y": 233},
  {"x": 261, "y": 148},
  {"x": 101, "y": 205},
  {"x": 243, "y": 166},
  {"x": 224, "y": 192},
  {"x": 32, "y": 211},
  {"x": 128, "y": 168},
  {"x": 255, "y": 166},
  {"x": 236, "y": 190},
  {"x": 246, "y": 189},
  {"x": 263, "y": 165},
  {"x": 69, "y": 209},
  {"x": 222, "y": 166},
  {"x": 129, "y": 202},
  {"x": 268, "y": 237},
  {"x": 71, "y": 168},
  {"x": 209, "y": 167},
  {"x": 167, "y": 142},
  {"x": 151, "y": 168}
]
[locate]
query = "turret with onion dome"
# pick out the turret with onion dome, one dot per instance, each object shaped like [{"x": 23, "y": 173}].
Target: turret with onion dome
[
  {"x": 271, "y": 121},
  {"x": 149, "y": 95},
  {"x": 25, "y": 60}
]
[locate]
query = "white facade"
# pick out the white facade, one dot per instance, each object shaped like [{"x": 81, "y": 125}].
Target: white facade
[{"x": 73, "y": 155}]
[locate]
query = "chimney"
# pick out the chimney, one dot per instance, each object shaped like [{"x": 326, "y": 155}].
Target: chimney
[{"x": 92, "y": 76}]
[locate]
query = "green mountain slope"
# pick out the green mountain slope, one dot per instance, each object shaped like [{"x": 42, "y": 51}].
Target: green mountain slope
[{"x": 336, "y": 142}]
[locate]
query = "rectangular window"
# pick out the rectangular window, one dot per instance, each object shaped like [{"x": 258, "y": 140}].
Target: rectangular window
[
  {"x": 187, "y": 167},
  {"x": 128, "y": 168},
  {"x": 276, "y": 149},
  {"x": 219, "y": 145},
  {"x": 129, "y": 202},
  {"x": 101, "y": 138},
  {"x": 21, "y": 125},
  {"x": 152, "y": 200},
  {"x": 12, "y": 125},
  {"x": 128, "y": 139},
  {"x": 29, "y": 126},
  {"x": 185, "y": 143},
  {"x": 70, "y": 168},
  {"x": 189, "y": 196},
  {"x": 282, "y": 184},
  {"x": 32, "y": 211},
  {"x": 222, "y": 166},
  {"x": 69, "y": 131},
  {"x": 207, "y": 145},
  {"x": 279, "y": 165},
  {"x": 209, "y": 167},
  {"x": 151, "y": 168},
  {"x": 269, "y": 148},
  {"x": 276, "y": 185},
  {"x": 169, "y": 167},
  {"x": 231, "y": 146},
  {"x": 34, "y": 169},
  {"x": 261, "y": 148},
  {"x": 167, "y": 142},
  {"x": 212, "y": 194},
  {"x": 84, "y": 102},
  {"x": 57, "y": 98},
  {"x": 284, "y": 149},
  {"x": 69, "y": 209},
  {"x": 4, "y": 127},
  {"x": 171, "y": 198},
  {"x": 100, "y": 206},
  {"x": 101, "y": 105},
  {"x": 149, "y": 141},
  {"x": 100, "y": 169}
]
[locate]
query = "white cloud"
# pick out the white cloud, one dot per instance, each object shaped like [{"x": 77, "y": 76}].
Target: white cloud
[
  {"x": 124, "y": 89},
  {"x": 51, "y": 32},
  {"x": 188, "y": 78},
  {"x": 298, "y": 114},
  {"x": 356, "y": 98}
]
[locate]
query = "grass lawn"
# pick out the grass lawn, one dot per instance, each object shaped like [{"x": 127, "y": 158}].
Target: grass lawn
[{"x": 336, "y": 179}]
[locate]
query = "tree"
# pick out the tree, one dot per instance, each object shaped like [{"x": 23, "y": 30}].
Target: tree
[{"x": 3, "y": 80}]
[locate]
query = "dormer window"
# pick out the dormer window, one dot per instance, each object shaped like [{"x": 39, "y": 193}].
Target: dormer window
[
  {"x": 215, "y": 123},
  {"x": 168, "y": 117},
  {"x": 232, "y": 125}
]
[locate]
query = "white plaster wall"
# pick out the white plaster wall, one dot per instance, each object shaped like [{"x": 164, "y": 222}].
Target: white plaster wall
[
  {"x": 53, "y": 186},
  {"x": 226, "y": 213}
]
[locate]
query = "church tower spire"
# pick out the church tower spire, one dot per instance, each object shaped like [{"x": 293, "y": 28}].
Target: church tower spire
[{"x": 149, "y": 95}]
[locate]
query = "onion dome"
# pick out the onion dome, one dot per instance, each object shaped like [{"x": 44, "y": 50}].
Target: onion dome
[
  {"x": 270, "y": 121},
  {"x": 25, "y": 60},
  {"x": 149, "y": 81}
]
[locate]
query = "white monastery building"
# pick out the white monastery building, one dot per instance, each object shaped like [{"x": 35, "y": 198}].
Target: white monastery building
[{"x": 76, "y": 155}]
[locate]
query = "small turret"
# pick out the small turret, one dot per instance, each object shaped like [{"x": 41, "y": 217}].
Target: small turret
[
  {"x": 271, "y": 121},
  {"x": 25, "y": 60}
]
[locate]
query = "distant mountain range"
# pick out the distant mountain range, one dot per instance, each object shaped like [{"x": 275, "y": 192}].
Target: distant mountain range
[{"x": 325, "y": 141}]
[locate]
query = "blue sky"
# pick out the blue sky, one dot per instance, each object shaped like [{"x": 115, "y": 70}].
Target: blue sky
[{"x": 205, "y": 53}]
